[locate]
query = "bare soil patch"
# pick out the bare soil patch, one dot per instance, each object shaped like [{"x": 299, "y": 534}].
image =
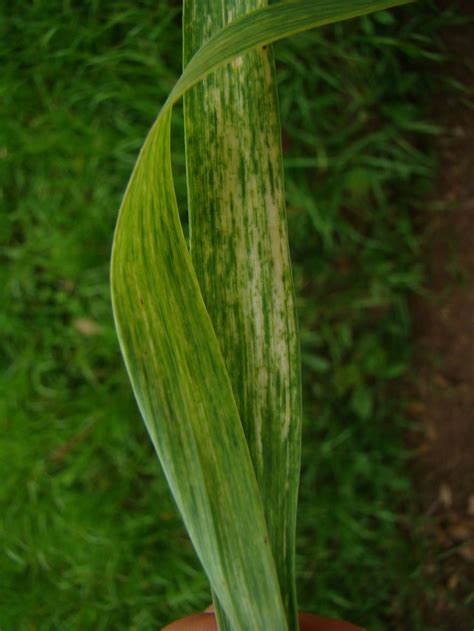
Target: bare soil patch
[{"x": 443, "y": 402}]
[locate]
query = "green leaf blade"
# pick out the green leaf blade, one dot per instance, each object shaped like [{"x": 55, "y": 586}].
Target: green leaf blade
[
  {"x": 267, "y": 25},
  {"x": 182, "y": 389},
  {"x": 239, "y": 248}
]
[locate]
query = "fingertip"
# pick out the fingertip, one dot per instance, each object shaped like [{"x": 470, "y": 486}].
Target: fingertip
[
  {"x": 198, "y": 622},
  {"x": 207, "y": 622},
  {"x": 308, "y": 622}
]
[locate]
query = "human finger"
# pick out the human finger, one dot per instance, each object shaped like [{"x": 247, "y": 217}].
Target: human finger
[
  {"x": 197, "y": 622},
  {"x": 308, "y": 622}
]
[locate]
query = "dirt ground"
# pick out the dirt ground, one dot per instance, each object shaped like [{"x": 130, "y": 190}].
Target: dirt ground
[{"x": 443, "y": 402}]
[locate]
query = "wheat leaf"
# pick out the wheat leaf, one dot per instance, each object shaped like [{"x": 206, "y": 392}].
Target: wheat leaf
[
  {"x": 172, "y": 353},
  {"x": 239, "y": 249}
]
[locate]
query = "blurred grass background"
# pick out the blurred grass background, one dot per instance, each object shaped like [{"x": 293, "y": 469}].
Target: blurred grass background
[{"x": 90, "y": 538}]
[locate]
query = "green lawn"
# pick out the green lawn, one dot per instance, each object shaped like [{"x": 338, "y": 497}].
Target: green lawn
[{"x": 90, "y": 538}]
